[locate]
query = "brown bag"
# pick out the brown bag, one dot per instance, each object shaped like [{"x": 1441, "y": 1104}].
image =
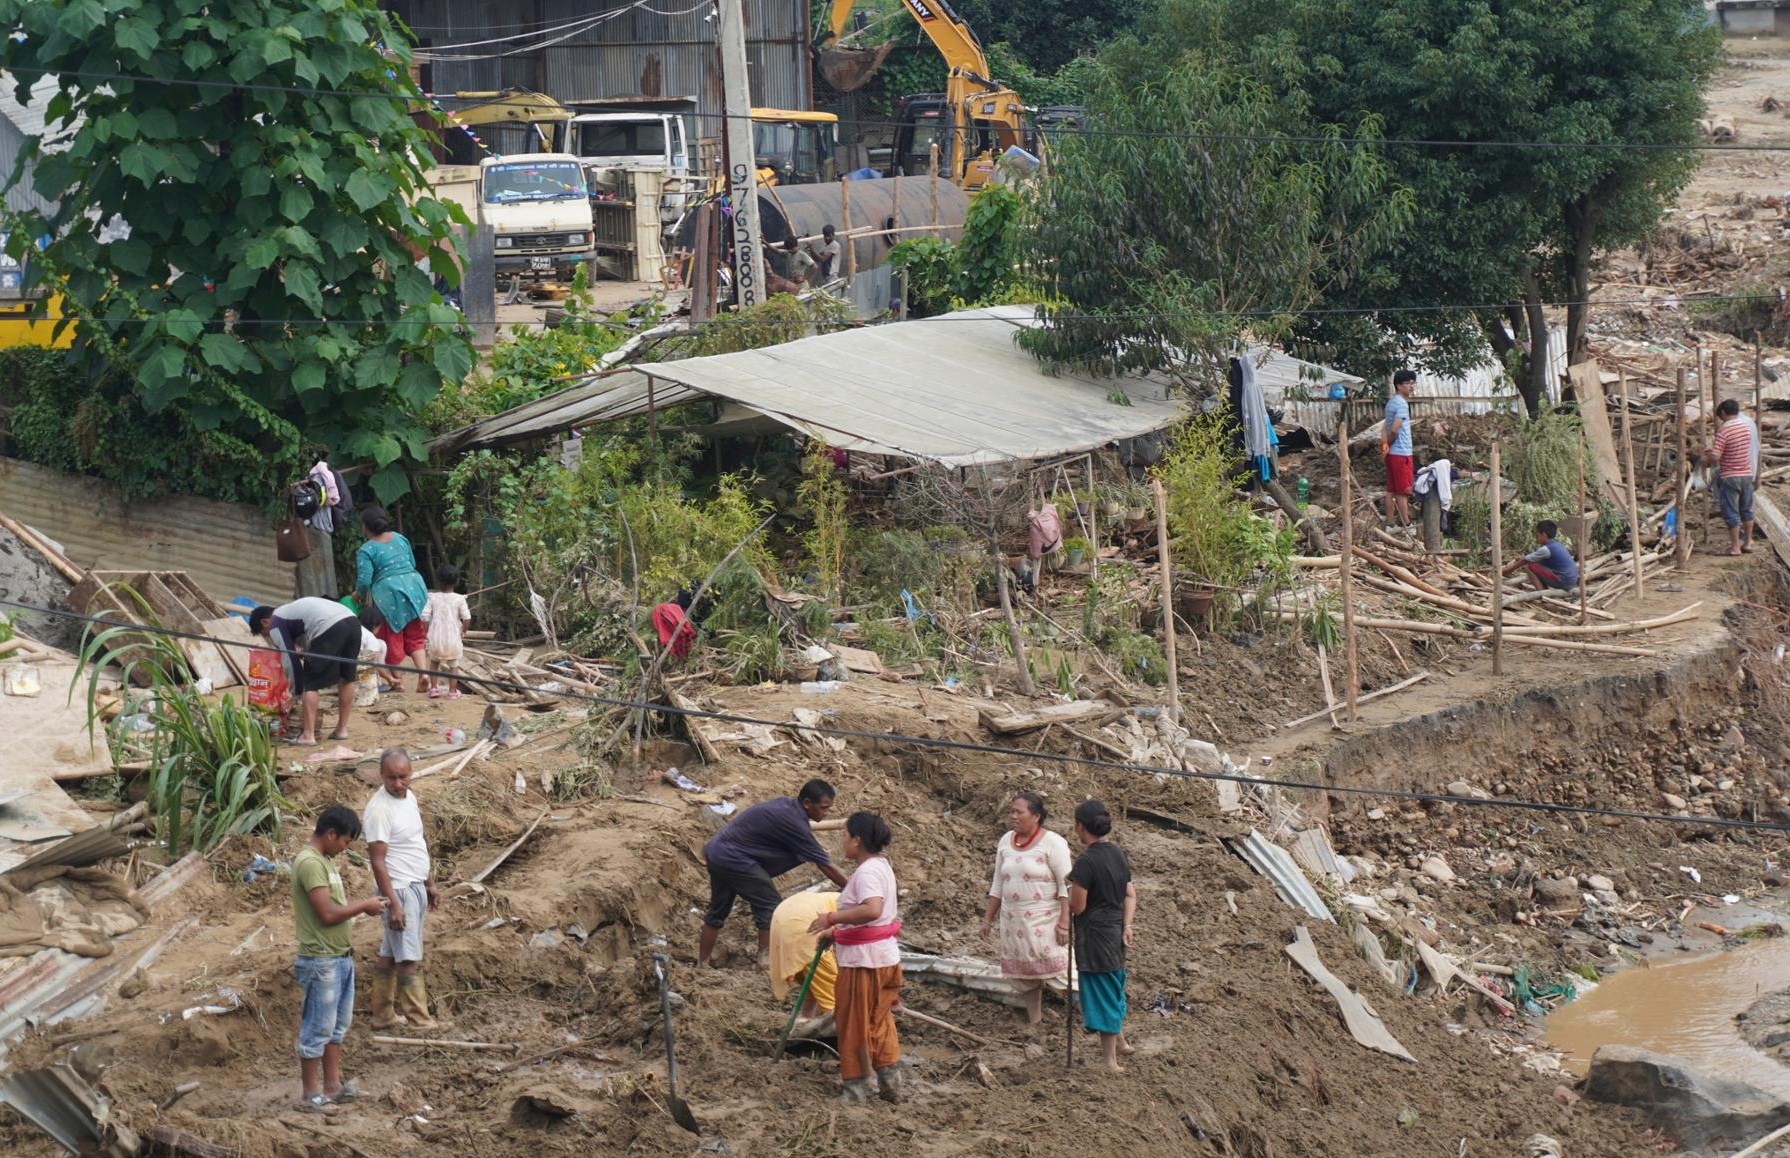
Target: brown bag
[{"x": 292, "y": 541}]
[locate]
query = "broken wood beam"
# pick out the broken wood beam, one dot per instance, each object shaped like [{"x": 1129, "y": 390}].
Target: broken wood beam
[
  {"x": 1019, "y": 722},
  {"x": 449, "y": 1043},
  {"x": 1373, "y": 695}
]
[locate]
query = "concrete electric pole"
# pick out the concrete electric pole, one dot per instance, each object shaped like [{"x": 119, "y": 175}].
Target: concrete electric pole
[{"x": 742, "y": 167}]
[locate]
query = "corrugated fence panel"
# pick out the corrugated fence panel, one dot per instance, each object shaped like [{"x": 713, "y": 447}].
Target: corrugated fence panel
[{"x": 228, "y": 548}]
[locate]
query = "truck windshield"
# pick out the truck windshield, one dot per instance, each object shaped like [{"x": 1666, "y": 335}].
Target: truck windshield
[
  {"x": 542, "y": 181},
  {"x": 622, "y": 139}
]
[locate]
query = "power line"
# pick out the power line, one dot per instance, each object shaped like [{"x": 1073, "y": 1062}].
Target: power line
[
  {"x": 1020, "y": 754},
  {"x": 1058, "y": 131},
  {"x": 1149, "y": 315}
]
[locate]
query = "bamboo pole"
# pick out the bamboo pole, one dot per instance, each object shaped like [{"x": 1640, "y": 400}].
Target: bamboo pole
[
  {"x": 1681, "y": 550},
  {"x": 1758, "y": 417},
  {"x": 1168, "y": 602},
  {"x": 935, "y": 188},
  {"x": 1351, "y": 675},
  {"x": 1497, "y": 566},
  {"x": 1628, "y": 471},
  {"x": 1329, "y": 690},
  {"x": 1373, "y": 695},
  {"x": 1420, "y": 627},
  {"x": 1584, "y": 528},
  {"x": 851, "y": 238},
  {"x": 1633, "y": 625}
]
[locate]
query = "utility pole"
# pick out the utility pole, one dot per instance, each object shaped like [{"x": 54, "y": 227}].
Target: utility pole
[{"x": 742, "y": 161}]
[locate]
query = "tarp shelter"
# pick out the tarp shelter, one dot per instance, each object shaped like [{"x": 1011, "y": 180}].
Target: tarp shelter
[{"x": 954, "y": 389}]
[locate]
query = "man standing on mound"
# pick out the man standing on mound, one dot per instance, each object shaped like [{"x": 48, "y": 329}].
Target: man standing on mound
[{"x": 393, "y": 824}]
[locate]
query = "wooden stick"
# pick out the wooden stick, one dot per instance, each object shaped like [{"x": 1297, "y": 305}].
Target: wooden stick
[
  {"x": 1329, "y": 692},
  {"x": 1419, "y": 627},
  {"x": 1497, "y": 567},
  {"x": 910, "y": 1012},
  {"x": 1759, "y": 1146},
  {"x": 1681, "y": 551},
  {"x": 508, "y": 852},
  {"x": 1584, "y": 529},
  {"x": 52, "y": 556},
  {"x": 1628, "y": 471},
  {"x": 1758, "y": 422},
  {"x": 1400, "y": 573},
  {"x": 1351, "y": 675},
  {"x": 1398, "y": 687},
  {"x": 449, "y": 1043},
  {"x": 1168, "y": 603},
  {"x": 1608, "y": 628}
]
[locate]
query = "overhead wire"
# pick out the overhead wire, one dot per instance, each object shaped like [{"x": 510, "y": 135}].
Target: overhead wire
[
  {"x": 941, "y": 743},
  {"x": 114, "y": 77}
]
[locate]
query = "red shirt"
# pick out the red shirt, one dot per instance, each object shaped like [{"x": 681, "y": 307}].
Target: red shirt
[{"x": 1736, "y": 444}]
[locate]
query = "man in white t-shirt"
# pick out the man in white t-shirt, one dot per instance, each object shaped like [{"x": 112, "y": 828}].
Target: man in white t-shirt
[{"x": 393, "y": 828}]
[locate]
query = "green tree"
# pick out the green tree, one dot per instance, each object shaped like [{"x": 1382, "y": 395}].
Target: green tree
[
  {"x": 1188, "y": 217},
  {"x": 264, "y": 158},
  {"x": 1610, "y": 91},
  {"x": 1048, "y": 34}
]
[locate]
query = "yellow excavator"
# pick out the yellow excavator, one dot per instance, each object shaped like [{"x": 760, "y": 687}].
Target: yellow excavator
[{"x": 973, "y": 123}]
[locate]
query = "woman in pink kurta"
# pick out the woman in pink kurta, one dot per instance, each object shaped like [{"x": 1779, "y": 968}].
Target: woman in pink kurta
[{"x": 1030, "y": 895}]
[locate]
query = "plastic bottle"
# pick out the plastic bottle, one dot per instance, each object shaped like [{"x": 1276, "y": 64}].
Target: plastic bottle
[{"x": 1304, "y": 490}]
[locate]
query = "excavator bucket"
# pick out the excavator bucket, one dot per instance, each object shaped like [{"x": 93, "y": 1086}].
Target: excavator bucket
[{"x": 850, "y": 69}]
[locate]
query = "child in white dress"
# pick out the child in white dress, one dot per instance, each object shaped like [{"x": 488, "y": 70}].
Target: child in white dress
[{"x": 447, "y": 615}]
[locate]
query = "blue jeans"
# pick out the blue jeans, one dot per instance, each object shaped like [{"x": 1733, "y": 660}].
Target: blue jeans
[
  {"x": 328, "y": 1010},
  {"x": 1736, "y": 494}
]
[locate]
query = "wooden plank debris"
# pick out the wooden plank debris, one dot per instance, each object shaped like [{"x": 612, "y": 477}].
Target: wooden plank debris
[{"x": 1018, "y": 722}]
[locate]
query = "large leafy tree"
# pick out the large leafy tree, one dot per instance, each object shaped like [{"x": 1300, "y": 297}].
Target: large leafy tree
[
  {"x": 1048, "y": 34},
  {"x": 273, "y": 281},
  {"x": 1192, "y": 215},
  {"x": 1553, "y": 132}
]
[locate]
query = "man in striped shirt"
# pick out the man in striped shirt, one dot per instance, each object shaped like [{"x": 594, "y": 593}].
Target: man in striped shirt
[{"x": 1736, "y": 457}]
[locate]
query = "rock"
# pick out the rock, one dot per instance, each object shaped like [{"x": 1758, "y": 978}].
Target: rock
[
  {"x": 393, "y": 719},
  {"x": 1699, "y": 1110},
  {"x": 1437, "y": 869},
  {"x": 1566, "y": 1095},
  {"x": 1600, "y": 884},
  {"x": 1557, "y": 890},
  {"x": 1376, "y": 814},
  {"x": 1540, "y": 1146},
  {"x": 1674, "y": 801}
]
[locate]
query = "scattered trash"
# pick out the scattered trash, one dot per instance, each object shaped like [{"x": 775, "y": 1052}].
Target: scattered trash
[
  {"x": 1730, "y": 899},
  {"x": 552, "y": 688},
  {"x": 261, "y": 866},
  {"x": 1408, "y": 1117},
  {"x": 393, "y": 719},
  {"x": 1690, "y": 872},
  {"x": 228, "y": 1001},
  {"x": 22, "y": 681},
  {"x": 1541, "y": 1146},
  {"x": 820, "y": 687},
  {"x": 547, "y": 939},
  {"x": 677, "y": 779},
  {"x": 457, "y": 736}
]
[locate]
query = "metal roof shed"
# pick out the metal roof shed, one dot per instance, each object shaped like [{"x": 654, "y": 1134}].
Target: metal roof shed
[{"x": 954, "y": 389}]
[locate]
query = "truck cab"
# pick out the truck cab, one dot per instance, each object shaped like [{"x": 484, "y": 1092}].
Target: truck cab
[
  {"x": 538, "y": 206},
  {"x": 632, "y": 140}
]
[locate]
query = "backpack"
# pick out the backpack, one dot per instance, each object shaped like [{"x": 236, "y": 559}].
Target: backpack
[
  {"x": 345, "y": 507},
  {"x": 306, "y": 499}
]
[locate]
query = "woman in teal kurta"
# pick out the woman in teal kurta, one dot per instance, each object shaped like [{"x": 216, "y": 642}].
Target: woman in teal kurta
[{"x": 386, "y": 577}]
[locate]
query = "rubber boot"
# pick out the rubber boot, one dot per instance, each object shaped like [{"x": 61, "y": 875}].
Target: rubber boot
[
  {"x": 855, "y": 1091},
  {"x": 385, "y": 996},
  {"x": 888, "y": 1083},
  {"x": 413, "y": 1000}
]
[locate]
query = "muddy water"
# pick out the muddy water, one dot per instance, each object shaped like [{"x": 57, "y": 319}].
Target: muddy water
[{"x": 1685, "y": 1008}]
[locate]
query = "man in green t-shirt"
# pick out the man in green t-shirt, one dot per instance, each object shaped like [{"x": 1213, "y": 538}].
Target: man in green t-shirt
[{"x": 325, "y": 966}]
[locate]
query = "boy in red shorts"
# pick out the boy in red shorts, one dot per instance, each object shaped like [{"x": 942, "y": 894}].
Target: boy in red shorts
[{"x": 1395, "y": 444}]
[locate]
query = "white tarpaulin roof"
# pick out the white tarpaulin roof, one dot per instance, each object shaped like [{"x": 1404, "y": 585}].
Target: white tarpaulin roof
[{"x": 954, "y": 389}]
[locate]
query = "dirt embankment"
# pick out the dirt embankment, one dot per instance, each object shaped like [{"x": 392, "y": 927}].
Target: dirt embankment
[{"x": 557, "y": 949}]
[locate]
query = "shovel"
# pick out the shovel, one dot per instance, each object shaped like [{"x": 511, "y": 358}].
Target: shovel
[{"x": 680, "y": 1109}]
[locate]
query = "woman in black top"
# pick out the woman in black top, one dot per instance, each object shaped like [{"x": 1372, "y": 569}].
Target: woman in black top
[{"x": 1103, "y": 901}]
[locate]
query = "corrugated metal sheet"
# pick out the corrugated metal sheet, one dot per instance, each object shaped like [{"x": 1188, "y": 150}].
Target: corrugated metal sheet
[
  {"x": 640, "y": 52},
  {"x": 18, "y": 124},
  {"x": 227, "y": 548},
  {"x": 955, "y": 390},
  {"x": 1273, "y": 862},
  {"x": 65, "y": 1107}
]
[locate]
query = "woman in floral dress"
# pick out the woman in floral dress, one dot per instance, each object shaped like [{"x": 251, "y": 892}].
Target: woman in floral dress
[{"x": 1030, "y": 895}]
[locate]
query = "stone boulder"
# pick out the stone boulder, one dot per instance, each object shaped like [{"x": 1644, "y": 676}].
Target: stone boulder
[{"x": 1698, "y": 1110}]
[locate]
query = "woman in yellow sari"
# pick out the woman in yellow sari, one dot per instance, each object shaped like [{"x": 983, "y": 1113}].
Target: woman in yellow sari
[{"x": 792, "y": 951}]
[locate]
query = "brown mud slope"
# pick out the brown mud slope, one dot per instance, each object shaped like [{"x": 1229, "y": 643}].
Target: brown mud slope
[{"x": 1231, "y": 1038}]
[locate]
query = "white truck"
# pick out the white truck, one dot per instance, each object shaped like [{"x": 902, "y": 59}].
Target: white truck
[{"x": 537, "y": 205}]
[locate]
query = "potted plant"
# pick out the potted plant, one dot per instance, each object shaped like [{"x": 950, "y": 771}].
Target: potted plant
[
  {"x": 1112, "y": 503},
  {"x": 1075, "y": 550},
  {"x": 1134, "y": 496},
  {"x": 1193, "y": 597}
]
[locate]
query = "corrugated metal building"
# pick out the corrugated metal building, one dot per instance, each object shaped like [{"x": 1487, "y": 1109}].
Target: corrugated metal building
[
  {"x": 657, "y": 48},
  {"x": 19, "y": 123},
  {"x": 228, "y": 548}
]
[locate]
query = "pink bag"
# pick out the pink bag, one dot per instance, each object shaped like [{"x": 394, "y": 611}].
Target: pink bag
[{"x": 1046, "y": 531}]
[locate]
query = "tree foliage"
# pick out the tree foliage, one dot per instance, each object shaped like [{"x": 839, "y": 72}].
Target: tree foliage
[
  {"x": 1048, "y": 34},
  {"x": 1508, "y": 227},
  {"x": 1189, "y": 216},
  {"x": 267, "y": 289}
]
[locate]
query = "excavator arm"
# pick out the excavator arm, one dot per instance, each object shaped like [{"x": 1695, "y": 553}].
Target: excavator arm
[{"x": 947, "y": 31}]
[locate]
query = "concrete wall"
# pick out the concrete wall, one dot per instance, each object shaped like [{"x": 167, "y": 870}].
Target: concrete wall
[{"x": 227, "y": 548}]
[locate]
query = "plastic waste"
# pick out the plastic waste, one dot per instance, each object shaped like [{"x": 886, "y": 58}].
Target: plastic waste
[
  {"x": 261, "y": 866},
  {"x": 455, "y": 736},
  {"x": 674, "y": 777},
  {"x": 820, "y": 687}
]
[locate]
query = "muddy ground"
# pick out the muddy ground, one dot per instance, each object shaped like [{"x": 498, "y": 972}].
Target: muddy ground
[{"x": 1239, "y": 1053}]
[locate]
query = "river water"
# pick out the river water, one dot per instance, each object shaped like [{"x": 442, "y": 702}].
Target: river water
[{"x": 1685, "y": 1008}]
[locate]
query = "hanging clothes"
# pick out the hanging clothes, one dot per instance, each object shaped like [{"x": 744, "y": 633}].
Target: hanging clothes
[
  {"x": 674, "y": 629},
  {"x": 1440, "y": 475},
  {"x": 324, "y": 521},
  {"x": 1252, "y": 411}
]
